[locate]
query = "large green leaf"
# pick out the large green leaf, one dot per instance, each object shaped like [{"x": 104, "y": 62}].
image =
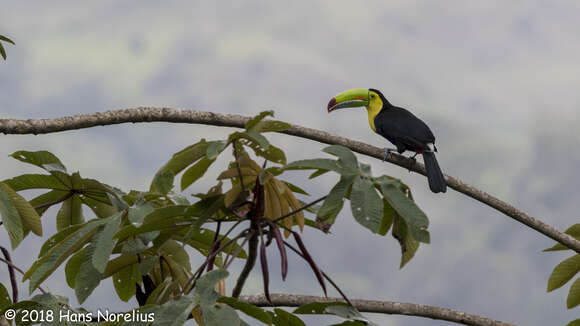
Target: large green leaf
[
  {"x": 345, "y": 156},
  {"x": 164, "y": 177},
  {"x": 42, "y": 202},
  {"x": 284, "y": 318},
  {"x": 250, "y": 310},
  {"x": 73, "y": 265},
  {"x": 388, "y": 216},
  {"x": 175, "y": 312},
  {"x": 366, "y": 205},
  {"x": 214, "y": 148},
  {"x": 103, "y": 242},
  {"x": 251, "y": 124},
  {"x": 10, "y": 217},
  {"x": 409, "y": 245},
  {"x": 334, "y": 201},
  {"x": 271, "y": 126},
  {"x": 43, "y": 159},
  {"x": 124, "y": 281},
  {"x": 34, "y": 181},
  {"x": 46, "y": 264},
  {"x": 574, "y": 295},
  {"x": 574, "y": 231},
  {"x": 414, "y": 217},
  {"x": 315, "y": 164},
  {"x": 215, "y": 316},
  {"x": 575, "y": 322},
  {"x": 5, "y": 39},
  {"x": 28, "y": 214},
  {"x": 138, "y": 211},
  {"x": 563, "y": 272},
  {"x": 202, "y": 240},
  {"x": 88, "y": 277},
  {"x": 195, "y": 172},
  {"x": 70, "y": 213},
  {"x": 204, "y": 291},
  {"x": 5, "y": 300}
]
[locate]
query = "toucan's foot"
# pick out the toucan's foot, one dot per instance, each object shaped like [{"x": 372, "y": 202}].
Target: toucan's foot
[
  {"x": 412, "y": 161},
  {"x": 387, "y": 151}
]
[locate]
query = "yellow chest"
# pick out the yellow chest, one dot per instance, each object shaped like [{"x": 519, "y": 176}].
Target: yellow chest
[{"x": 372, "y": 110}]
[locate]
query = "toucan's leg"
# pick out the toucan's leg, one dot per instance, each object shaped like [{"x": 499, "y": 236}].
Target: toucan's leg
[
  {"x": 412, "y": 161},
  {"x": 387, "y": 151}
]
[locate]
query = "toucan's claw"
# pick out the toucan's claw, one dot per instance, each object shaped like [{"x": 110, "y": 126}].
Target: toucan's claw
[
  {"x": 412, "y": 161},
  {"x": 387, "y": 151}
]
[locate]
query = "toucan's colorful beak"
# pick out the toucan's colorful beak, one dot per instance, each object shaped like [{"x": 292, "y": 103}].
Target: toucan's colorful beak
[{"x": 349, "y": 99}]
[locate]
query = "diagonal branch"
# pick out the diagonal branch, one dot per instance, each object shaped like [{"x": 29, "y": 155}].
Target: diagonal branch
[
  {"x": 145, "y": 114},
  {"x": 383, "y": 307}
]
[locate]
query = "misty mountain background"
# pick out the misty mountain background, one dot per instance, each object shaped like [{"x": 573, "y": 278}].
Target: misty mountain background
[{"x": 496, "y": 81}]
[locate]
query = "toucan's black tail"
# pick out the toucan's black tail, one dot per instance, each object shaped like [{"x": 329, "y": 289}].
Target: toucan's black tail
[{"x": 434, "y": 174}]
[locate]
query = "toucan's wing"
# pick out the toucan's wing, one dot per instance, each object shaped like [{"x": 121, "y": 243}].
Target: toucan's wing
[{"x": 401, "y": 126}]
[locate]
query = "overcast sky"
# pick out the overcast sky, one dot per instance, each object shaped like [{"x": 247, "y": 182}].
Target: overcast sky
[{"x": 497, "y": 82}]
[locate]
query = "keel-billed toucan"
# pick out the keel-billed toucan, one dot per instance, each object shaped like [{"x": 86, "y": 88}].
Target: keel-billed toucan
[{"x": 397, "y": 125}]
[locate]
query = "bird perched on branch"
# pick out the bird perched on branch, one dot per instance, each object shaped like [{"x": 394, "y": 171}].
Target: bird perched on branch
[{"x": 397, "y": 125}]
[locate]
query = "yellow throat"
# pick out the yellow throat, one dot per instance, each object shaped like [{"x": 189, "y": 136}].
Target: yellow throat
[{"x": 374, "y": 107}]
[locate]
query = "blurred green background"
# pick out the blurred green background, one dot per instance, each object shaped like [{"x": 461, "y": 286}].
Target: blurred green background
[{"x": 497, "y": 82}]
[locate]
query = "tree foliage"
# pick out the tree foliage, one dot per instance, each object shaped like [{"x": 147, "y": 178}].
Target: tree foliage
[{"x": 139, "y": 238}]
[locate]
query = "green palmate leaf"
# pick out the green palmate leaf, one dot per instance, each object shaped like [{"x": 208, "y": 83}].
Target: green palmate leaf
[
  {"x": 334, "y": 202},
  {"x": 408, "y": 244},
  {"x": 271, "y": 126},
  {"x": 414, "y": 217},
  {"x": 340, "y": 309},
  {"x": 195, "y": 172},
  {"x": 251, "y": 124},
  {"x": 317, "y": 173},
  {"x": 103, "y": 242},
  {"x": 88, "y": 277},
  {"x": 272, "y": 154},
  {"x": 214, "y": 148},
  {"x": 124, "y": 281},
  {"x": 225, "y": 315},
  {"x": 43, "y": 159},
  {"x": 34, "y": 181},
  {"x": 28, "y": 214},
  {"x": 574, "y": 231},
  {"x": 5, "y": 300},
  {"x": 163, "y": 179},
  {"x": 388, "y": 215},
  {"x": 366, "y": 205},
  {"x": 204, "y": 291},
  {"x": 284, "y": 318},
  {"x": 58, "y": 238},
  {"x": 316, "y": 308},
  {"x": 574, "y": 323},
  {"x": 73, "y": 265},
  {"x": 173, "y": 313},
  {"x": 2, "y": 51},
  {"x": 574, "y": 295},
  {"x": 315, "y": 164},
  {"x": 42, "y": 202},
  {"x": 250, "y": 310},
  {"x": 10, "y": 217},
  {"x": 253, "y": 137},
  {"x": 70, "y": 213},
  {"x": 202, "y": 240},
  {"x": 172, "y": 249},
  {"x": 563, "y": 272},
  {"x": 138, "y": 211},
  {"x": 5, "y": 39},
  {"x": 296, "y": 189},
  {"x": 345, "y": 156},
  {"x": 57, "y": 254}
]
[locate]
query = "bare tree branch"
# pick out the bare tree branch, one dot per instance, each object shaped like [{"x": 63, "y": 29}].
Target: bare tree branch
[
  {"x": 383, "y": 307},
  {"x": 149, "y": 114}
]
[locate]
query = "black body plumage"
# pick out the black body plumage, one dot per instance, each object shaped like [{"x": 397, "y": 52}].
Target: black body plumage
[{"x": 407, "y": 132}]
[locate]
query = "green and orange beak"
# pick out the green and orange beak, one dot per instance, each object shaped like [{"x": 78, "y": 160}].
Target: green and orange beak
[{"x": 349, "y": 99}]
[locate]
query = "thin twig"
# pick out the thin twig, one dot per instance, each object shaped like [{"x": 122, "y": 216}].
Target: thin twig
[
  {"x": 13, "y": 282},
  {"x": 383, "y": 307},
  {"x": 250, "y": 261},
  {"x": 19, "y": 270}
]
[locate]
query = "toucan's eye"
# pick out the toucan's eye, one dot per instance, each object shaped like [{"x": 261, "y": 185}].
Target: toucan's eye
[{"x": 372, "y": 95}]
